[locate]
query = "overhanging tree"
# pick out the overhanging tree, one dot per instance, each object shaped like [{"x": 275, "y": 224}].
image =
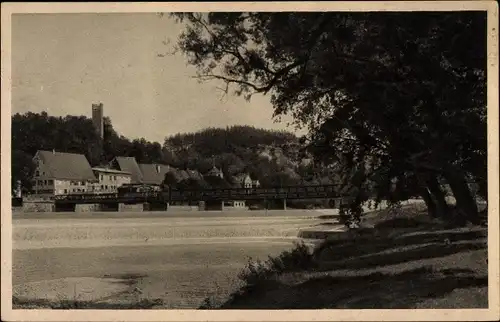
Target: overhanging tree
[{"x": 392, "y": 97}]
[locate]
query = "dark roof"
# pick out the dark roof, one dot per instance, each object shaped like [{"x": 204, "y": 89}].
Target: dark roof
[
  {"x": 129, "y": 164},
  {"x": 107, "y": 170},
  {"x": 176, "y": 174},
  {"x": 193, "y": 174},
  {"x": 153, "y": 173},
  {"x": 214, "y": 172},
  {"x": 182, "y": 174},
  {"x": 69, "y": 166}
]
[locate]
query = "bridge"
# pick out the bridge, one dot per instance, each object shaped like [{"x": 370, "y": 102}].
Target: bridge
[{"x": 212, "y": 194}]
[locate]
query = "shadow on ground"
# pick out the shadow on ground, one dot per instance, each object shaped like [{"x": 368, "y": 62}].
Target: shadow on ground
[
  {"x": 372, "y": 252},
  {"x": 365, "y": 273},
  {"x": 372, "y": 291}
]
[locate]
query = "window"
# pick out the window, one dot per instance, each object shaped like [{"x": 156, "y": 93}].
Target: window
[
  {"x": 102, "y": 177},
  {"x": 37, "y": 173},
  {"x": 51, "y": 181},
  {"x": 65, "y": 190}
]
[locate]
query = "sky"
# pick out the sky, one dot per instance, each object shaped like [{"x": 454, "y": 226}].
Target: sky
[{"x": 62, "y": 63}]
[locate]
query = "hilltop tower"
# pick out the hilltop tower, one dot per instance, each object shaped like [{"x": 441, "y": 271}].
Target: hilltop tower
[{"x": 98, "y": 118}]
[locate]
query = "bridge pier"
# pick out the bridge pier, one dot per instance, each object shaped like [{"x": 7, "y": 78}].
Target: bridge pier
[
  {"x": 39, "y": 206},
  {"x": 123, "y": 207}
]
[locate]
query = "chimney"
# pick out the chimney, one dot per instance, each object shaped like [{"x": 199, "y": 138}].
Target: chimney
[
  {"x": 54, "y": 151},
  {"x": 158, "y": 168},
  {"x": 98, "y": 119}
]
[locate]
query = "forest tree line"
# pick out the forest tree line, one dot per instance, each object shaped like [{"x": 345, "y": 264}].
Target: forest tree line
[{"x": 272, "y": 157}]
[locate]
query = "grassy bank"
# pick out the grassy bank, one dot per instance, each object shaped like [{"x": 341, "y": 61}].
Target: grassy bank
[{"x": 406, "y": 261}]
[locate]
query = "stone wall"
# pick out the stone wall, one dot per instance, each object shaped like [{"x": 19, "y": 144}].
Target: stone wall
[
  {"x": 38, "y": 206},
  {"x": 232, "y": 208},
  {"x": 17, "y": 209},
  {"x": 183, "y": 208},
  {"x": 123, "y": 207}
]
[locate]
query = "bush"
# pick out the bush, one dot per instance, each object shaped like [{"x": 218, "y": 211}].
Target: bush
[{"x": 300, "y": 258}]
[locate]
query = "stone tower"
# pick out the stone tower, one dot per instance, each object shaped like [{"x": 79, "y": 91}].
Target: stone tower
[{"x": 98, "y": 118}]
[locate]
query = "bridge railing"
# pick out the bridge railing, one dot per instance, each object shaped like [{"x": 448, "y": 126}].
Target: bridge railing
[
  {"x": 72, "y": 197},
  {"x": 290, "y": 192}
]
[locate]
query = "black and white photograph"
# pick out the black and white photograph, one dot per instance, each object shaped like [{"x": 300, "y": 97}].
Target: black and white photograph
[{"x": 339, "y": 157}]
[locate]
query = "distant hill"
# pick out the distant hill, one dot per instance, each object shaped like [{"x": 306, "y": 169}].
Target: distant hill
[{"x": 272, "y": 157}]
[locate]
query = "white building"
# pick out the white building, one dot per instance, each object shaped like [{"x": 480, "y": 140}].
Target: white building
[
  {"x": 58, "y": 173},
  {"x": 109, "y": 180}
]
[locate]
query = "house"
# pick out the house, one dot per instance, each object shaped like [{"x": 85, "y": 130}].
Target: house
[
  {"x": 153, "y": 173},
  {"x": 238, "y": 204},
  {"x": 110, "y": 180},
  {"x": 215, "y": 172},
  {"x": 243, "y": 181},
  {"x": 128, "y": 164},
  {"x": 59, "y": 173},
  {"x": 193, "y": 174},
  {"x": 141, "y": 173}
]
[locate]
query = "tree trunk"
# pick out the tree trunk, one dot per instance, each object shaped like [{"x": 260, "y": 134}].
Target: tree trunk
[
  {"x": 466, "y": 204},
  {"x": 438, "y": 195},
  {"x": 483, "y": 190},
  {"x": 431, "y": 205}
]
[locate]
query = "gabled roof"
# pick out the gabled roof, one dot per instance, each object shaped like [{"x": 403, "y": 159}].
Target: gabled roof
[
  {"x": 129, "y": 164},
  {"x": 240, "y": 178},
  {"x": 193, "y": 174},
  {"x": 214, "y": 172},
  {"x": 68, "y": 166},
  {"x": 182, "y": 174},
  {"x": 176, "y": 174},
  {"x": 153, "y": 173}
]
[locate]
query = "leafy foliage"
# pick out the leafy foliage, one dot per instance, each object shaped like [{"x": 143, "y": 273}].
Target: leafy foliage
[
  {"x": 22, "y": 170},
  {"x": 298, "y": 259},
  {"x": 395, "y": 100}
]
